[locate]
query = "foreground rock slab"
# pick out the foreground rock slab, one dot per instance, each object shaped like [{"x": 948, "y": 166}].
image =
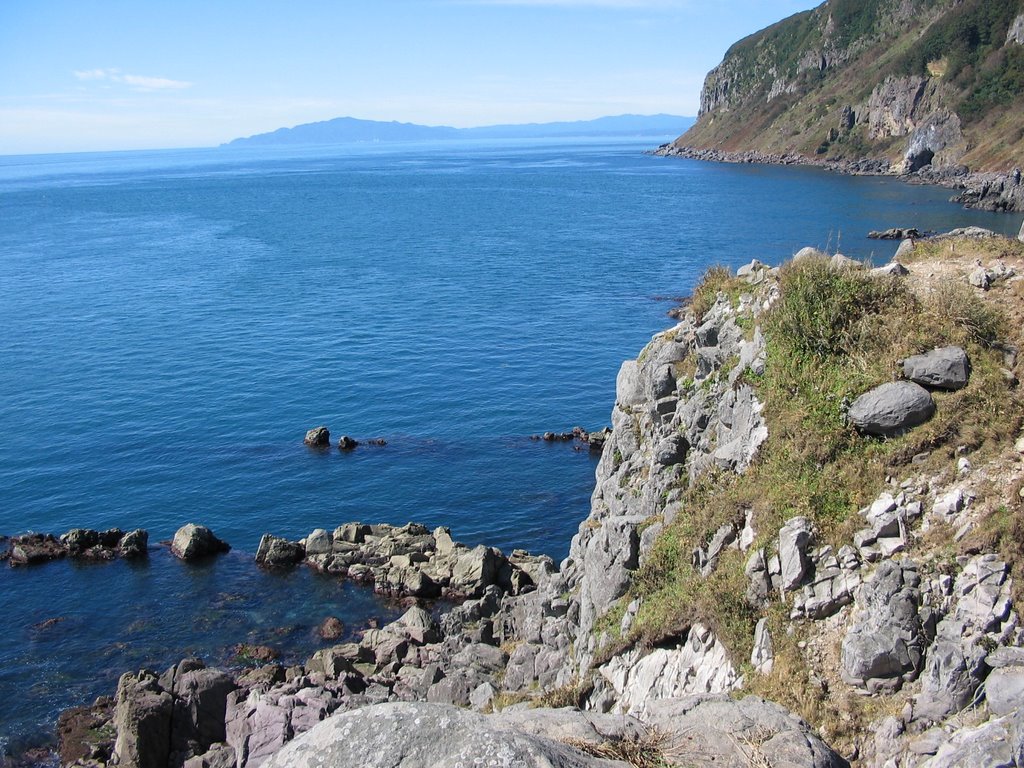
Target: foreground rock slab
[
  {"x": 721, "y": 731},
  {"x": 407, "y": 735}
]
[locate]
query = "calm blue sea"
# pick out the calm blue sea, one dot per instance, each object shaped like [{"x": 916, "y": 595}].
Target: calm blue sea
[{"x": 173, "y": 322}]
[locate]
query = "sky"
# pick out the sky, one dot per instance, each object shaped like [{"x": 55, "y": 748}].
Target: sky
[{"x": 97, "y": 75}]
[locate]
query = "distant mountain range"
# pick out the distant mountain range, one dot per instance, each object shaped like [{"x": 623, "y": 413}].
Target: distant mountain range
[{"x": 346, "y": 130}]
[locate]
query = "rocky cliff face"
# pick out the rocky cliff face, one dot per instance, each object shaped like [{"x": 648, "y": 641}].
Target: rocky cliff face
[{"x": 915, "y": 82}]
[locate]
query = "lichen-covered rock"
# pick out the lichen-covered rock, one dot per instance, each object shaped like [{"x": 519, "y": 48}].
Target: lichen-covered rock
[
  {"x": 942, "y": 368},
  {"x": 991, "y": 744},
  {"x": 892, "y": 409},
  {"x": 192, "y": 542}
]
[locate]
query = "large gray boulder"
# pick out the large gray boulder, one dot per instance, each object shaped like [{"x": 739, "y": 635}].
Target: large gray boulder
[
  {"x": 884, "y": 647},
  {"x": 942, "y": 368},
  {"x": 423, "y": 735},
  {"x": 192, "y": 542},
  {"x": 892, "y": 409},
  {"x": 721, "y": 731}
]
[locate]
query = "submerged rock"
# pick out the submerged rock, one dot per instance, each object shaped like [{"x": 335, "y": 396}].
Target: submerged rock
[{"x": 35, "y": 548}]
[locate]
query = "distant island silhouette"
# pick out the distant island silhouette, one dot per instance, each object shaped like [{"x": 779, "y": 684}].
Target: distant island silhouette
[{"x": 345, "y": 130}]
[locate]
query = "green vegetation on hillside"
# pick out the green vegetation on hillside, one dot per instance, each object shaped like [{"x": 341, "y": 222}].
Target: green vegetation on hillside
[
  {"x": 832, "y": 334},
  {"x": 803, "y": 84},
  {"x": 969, "y": 40}
]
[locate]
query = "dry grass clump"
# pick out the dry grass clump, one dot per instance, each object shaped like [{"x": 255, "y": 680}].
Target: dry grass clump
[
  {"x": 647, "y": 750},
  {"x": 964, "y": 248},
  {"x": 568, "y": 695}
]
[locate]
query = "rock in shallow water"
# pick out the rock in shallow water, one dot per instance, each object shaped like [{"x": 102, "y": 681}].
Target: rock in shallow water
[
  {"x": 192, "y": 542},
  {"x": 318, "y": 437}
]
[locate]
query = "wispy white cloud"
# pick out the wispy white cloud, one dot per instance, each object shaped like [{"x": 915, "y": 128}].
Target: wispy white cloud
[{"x": 136, "y": 82}]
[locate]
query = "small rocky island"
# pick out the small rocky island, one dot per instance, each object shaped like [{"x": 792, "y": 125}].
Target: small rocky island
[{"x": 802, "y": 549}]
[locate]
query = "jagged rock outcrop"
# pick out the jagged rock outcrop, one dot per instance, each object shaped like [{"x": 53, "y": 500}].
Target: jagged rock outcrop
[
  {"x": 885, "y": 646},
  {"x": 699, "y": 663},
  {"x": 78, "y": 544}
]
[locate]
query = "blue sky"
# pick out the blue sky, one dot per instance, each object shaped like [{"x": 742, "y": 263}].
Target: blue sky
[{"x": 80, "y": 75}]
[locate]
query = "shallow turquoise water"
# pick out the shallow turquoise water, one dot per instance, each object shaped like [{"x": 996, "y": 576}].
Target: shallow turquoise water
[{"x": 175, "y": 321}]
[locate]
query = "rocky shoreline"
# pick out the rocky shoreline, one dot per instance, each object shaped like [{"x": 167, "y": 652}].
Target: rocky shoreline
[
  {"x": 985, "y": 191},
  {"x": 908, "y": 605}
]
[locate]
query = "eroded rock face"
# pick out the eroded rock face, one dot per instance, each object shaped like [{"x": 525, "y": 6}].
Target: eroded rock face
[
  {"x": 956, "y": 660},
  {"x": 698, "y": 664},
  {"x": 192, "y": 542},
  {"x": 423, "y": 734},
  {"x": 142, "y": 717},
  {"x": 892, "y": 409}
]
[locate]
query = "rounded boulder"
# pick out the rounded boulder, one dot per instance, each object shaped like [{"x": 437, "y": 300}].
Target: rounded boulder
[{"x": 892, "y": 409}]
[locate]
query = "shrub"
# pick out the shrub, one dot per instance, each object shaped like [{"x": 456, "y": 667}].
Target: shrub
[{"x": 822, "y": 305}]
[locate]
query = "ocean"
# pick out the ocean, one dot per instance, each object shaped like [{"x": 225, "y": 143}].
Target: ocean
[{"x": 173, "y": 322}]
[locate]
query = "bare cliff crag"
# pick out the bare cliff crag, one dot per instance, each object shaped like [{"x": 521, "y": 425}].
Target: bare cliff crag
[
  {"x": 927, "y": 87},
  {"x": 802, "y": 549}
]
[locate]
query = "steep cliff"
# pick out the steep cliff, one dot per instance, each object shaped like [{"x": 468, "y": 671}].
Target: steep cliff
[{"x": 910, "y": 82}]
